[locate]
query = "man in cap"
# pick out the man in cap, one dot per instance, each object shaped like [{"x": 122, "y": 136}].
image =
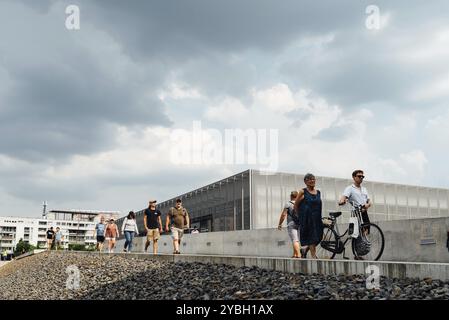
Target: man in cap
[
  {"x": 180, "y": 221},
  {"x": 153, "y": 225}
]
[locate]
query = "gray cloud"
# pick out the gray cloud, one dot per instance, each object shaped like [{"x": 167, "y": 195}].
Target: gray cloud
[
  {"x": 65, "y": 93},
  {"x": 64, "y": 96},
  {"x": 334, "y": 134},
  {"x": 199, "y": 39},
  {"x": 183, "y": 29},
  {"x": 362, "y": 67}
]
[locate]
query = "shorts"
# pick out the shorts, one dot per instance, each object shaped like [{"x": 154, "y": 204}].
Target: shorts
[
  {"x": 58, "y": 242},
  {"x": 110, "y": 239},
  {"x": 177, "y": 233},
  {"x": 100, "y": 239},
  {"x": 365, "y": 218},
  {"x": 293, "y": 231},
  {"x": 153, "y": 234}
]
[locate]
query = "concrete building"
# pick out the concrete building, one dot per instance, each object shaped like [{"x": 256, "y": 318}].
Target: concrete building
[
  {"x": 77, "y": 227},
  {"x": 254, "y": 199}
]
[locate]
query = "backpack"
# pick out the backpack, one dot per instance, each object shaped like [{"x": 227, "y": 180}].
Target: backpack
[{"x": 292, "y": 213}]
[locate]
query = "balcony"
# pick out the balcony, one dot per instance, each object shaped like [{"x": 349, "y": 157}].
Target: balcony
[{"x": 77, "y": 235}]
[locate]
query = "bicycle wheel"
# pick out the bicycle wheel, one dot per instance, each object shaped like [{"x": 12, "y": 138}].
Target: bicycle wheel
[
  {"x": 374, "y": 235},
  {"x": 328, "y": 245}
]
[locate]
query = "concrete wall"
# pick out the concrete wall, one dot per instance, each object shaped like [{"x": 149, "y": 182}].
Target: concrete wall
[
  {"x": 399, "y": 270},
  {"x": 418, "y": 240}
]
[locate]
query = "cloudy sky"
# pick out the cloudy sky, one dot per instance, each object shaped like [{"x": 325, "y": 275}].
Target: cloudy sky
[{"x": 95, "y": 118}]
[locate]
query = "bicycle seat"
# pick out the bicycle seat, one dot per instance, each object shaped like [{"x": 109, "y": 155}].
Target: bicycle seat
[{"x": 335, "y": 214}]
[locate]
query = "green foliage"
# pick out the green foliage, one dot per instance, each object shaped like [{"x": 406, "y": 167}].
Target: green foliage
[
  {"x": 81, "y": 247},
  {"x": 23, "y": 247}
]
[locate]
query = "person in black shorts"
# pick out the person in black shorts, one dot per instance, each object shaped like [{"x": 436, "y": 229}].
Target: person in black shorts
[
  {"x": 99, "y": 231},
  {"x": 50, "y": 237}
]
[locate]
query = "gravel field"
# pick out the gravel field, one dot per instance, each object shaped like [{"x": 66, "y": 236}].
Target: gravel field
[{"x": 44, "y": 276}]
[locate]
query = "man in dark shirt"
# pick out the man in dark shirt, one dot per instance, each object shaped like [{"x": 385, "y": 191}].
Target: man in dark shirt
[
  {"x": 153, "y": 225},
  {"x": 50, "y": 237}
]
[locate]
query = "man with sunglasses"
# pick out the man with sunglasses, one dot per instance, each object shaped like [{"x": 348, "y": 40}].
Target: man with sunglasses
[{"x": 357, "y": 194}]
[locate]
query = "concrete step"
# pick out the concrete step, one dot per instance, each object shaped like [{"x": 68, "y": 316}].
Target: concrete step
[{"x": 390, "y": 269}]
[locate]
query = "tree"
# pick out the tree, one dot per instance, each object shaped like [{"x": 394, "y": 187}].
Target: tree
[{"x": 23, "y": 247}]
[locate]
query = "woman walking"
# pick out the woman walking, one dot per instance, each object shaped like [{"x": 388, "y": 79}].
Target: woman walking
[
  {"x": 111, "y": 234},
  {"x": 129, "y": 226},
  {"x": 308, "y": 206}
]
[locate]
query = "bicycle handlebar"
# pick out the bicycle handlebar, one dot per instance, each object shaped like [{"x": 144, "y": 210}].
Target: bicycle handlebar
[{"x": 353, "y": 204}]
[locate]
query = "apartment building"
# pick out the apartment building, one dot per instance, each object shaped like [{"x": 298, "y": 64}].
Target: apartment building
[{"x": 77, "y": 227}]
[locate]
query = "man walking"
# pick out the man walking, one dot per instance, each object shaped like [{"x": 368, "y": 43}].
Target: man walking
[
  {"x": 58, "y": 238},
  {"x": 180, "y": 221},
  {"x": 50, "y": 237},
  {"x": 359, "y": 196},
  {"x": 99, "y": 231},
  {"x": 292, "y": 223},
  {"x": 153, "y": 225}
]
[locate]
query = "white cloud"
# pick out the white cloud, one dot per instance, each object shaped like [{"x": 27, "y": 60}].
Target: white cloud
[
  {"x": 408, "y": 168},
  {"x": 315, "y": 133},
  {"x": 178, "y": 91},
  {"x": 277, "y": 98},
  {"x": 436, "y": 89},
  {"x": 434, "y": 46},
  {"x": 416, "y": 160},
  {"x": 227, "y": 110}
]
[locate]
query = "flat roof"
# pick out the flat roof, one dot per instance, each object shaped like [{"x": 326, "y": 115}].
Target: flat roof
[
  {"x": 89, "y": 212},
  {"x": 262, "y": 172}
]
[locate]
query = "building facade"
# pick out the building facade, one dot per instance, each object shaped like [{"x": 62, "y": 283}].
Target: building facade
[
  {"x": 77, "y": 227},
  {"x": 254, "y": 199}
]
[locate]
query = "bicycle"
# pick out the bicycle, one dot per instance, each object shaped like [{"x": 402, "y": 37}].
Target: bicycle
[{"x": 368, "y": 245}]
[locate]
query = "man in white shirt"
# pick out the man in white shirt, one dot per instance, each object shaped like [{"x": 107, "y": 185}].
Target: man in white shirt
[{"x": 357, "y": 194}]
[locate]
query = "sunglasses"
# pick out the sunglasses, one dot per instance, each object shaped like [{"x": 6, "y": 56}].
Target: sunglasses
[{"x": 361, "y": 177}]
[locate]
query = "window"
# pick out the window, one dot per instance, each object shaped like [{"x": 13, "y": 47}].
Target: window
[
  {"x": 412, "y": 194},
  {"x": 433, "y": 199},
  {"x": 401, "y": 193},
  {"x": 423, "y": 197},
  {"x": 390, "y": 194},
  {"x": 377, "y": 195}
]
